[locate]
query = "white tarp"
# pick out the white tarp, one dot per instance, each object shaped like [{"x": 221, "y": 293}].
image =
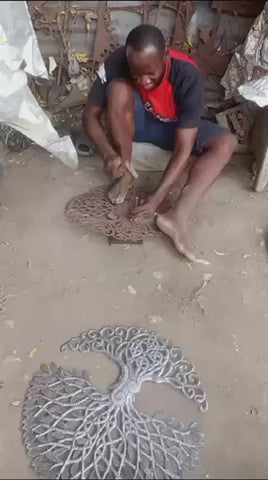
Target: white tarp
[
  {"x": 18, "y": 106},
  {"x": 247, "y": 72}
]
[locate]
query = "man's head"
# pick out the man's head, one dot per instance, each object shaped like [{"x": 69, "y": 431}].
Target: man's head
[{"x": 146, "y": 55}]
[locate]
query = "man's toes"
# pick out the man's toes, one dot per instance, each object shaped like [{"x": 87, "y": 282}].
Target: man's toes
[
  {"x": 112, "y": 196},
  {"x": 185, "y": 252},
  {"x": 117, "y": 194},
  {"x": 119, "y": 190},
  {"x": 119, "y": 199}
]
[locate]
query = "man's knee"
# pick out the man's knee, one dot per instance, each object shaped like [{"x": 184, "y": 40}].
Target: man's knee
[
  {"x": 120, "y": 93},
  {"x": 224, "y": 144}
]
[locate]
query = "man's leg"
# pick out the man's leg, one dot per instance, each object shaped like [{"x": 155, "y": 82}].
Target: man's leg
[
  {"x": 206, "y": 169},
  {"x": 121, "y": 126}
]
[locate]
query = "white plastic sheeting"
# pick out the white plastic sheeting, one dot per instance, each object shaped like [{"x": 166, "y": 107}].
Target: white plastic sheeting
[
  {"x": 247, "y": 72},
  {"x": 19, "y": 53},
  {"x": 148, "y": 158},
  {"x": 256, "y": 91}
]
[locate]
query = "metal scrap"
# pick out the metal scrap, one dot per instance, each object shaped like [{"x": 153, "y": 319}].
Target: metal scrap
[
  {"x": 186, "y": 10},
  {"x": 214, "y": 94},
  {"x": 238, "y": 120},
  {"x": 161, "y": 4},
  {"x": 64, "y": 48},
  {"x": 207, "y": 54},
  {"x": 105, "y": 40},
  {"x": 44, "y": 16},
  {"x": 246, "y": 8},
  {"x": 249, "y": 64}
]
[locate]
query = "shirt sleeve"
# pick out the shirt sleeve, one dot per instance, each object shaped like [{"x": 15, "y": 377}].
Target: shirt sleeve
[
  {"x": 189, "y": 96},
  {"x": 97, "y": 93}
]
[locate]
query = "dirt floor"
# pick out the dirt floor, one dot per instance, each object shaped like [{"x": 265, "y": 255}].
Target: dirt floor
[{"x": 58, "y": 280}]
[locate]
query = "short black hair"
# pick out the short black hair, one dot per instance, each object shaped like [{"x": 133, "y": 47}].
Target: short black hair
[{"x": 145, "y": 36}]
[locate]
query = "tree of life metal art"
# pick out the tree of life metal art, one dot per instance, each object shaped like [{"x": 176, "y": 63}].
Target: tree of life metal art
[
  {"x": 73, "y": 431},
  {"x": 95, "y": 210}
]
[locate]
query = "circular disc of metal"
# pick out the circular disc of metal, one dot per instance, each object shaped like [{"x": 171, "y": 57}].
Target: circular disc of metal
[{"x": 95, "y": 210}]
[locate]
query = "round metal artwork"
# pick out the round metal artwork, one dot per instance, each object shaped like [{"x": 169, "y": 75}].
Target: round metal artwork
[
  {"x": 73, "y": 431},
  {"x": 95, "y": 210}
]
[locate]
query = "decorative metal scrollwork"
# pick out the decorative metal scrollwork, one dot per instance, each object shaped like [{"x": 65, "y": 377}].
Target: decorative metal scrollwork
[
  {"x": 73, "y": 431},
  {"x": 95, "y": 210}
]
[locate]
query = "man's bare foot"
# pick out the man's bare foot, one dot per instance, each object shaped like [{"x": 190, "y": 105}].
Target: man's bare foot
[
  {"x": 177, "y": 231},
  {"x": 120, "y": 188}
]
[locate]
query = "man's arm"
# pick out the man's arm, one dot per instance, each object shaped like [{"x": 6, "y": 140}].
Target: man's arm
[
  {"x": 188, "y": 92},
  {"x": 94, "y": 129},
  {"x": 184, "y": 141}
]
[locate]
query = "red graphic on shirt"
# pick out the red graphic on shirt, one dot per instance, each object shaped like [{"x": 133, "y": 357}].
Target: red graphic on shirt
[{"x": 160, "y": 102}]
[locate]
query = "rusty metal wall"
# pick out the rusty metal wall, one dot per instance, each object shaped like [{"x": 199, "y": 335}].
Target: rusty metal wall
[
  {"x": 232, "y": 29},
  {"x": 81, "y": 34},
  {"x": 122, "y": 21}
]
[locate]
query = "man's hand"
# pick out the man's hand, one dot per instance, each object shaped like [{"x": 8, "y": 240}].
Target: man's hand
[
  {"x": 146, "y": 208},
  {"x": 113, "y": 166}
]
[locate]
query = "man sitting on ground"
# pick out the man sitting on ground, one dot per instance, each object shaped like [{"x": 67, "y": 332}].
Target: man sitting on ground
[{"x": 154, "y": 94}]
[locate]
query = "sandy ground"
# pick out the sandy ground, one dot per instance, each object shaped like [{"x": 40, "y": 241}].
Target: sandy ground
[{"x": 58, "y": 282}]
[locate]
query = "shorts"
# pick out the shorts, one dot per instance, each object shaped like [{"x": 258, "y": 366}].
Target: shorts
[{"x": 151, "y": 130}]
